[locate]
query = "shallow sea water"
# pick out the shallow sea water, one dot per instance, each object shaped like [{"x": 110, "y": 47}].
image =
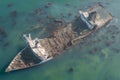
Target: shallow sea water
[{"x": 97, "y": 58}]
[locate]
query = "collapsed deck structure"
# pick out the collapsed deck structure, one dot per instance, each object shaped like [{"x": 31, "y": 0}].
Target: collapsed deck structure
[{"x": 39, "y": 51}]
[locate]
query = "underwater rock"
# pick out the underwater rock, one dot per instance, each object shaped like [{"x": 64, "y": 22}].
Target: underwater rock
[
  {"x": 47, "y": 5},
  {"x": 94, "y": 50},
  {"x": 32, "y": 14},
  {"x": 48, "y": 17},
  {"x": 3, "y": 33},
  {"x": 67, "y": 4},
  {"x": 39, "y": 20},
  {"x": 38, "y": 10},
  {"x": 109, "y": 43},
  {"x": 99, "y": 39},
  {"x": 69, "y": 14},
  {"x": 14, "y": 13},
  {"x": 91, "y": 51},
  {"x": 62, "y": 15},
  {"x": 6, "y": 44},
  {"x": 13, "y": 22},
  {"x": 116, "y": 50},
  {"x": 10, "y": 5},
  {"x": 113, "y": 36},
  {"x": 58, "y": 21},
  {"x": 70, "y": 69}
]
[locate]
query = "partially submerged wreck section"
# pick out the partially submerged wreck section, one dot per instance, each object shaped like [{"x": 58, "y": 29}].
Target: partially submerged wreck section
[{"x": 41, "y": 50}]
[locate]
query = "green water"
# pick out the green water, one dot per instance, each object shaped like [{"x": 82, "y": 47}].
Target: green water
[{"x": 97, "y": 58}]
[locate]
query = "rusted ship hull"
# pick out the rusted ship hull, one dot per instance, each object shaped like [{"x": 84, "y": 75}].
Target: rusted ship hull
[{"x": 39, "y": 51}]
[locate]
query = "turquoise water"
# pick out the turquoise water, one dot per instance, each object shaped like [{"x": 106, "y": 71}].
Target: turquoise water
[{"x": 97, "y": 58}]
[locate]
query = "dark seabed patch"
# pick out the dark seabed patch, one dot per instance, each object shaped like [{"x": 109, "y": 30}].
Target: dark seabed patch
[{"x": 10, "y": 5}]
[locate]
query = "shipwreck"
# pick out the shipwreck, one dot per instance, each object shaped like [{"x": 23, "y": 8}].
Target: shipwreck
[{"x": 39, "y": 51}]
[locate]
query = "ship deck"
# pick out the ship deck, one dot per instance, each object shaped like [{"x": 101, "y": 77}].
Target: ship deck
[{"x": 61, "y": 39}]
